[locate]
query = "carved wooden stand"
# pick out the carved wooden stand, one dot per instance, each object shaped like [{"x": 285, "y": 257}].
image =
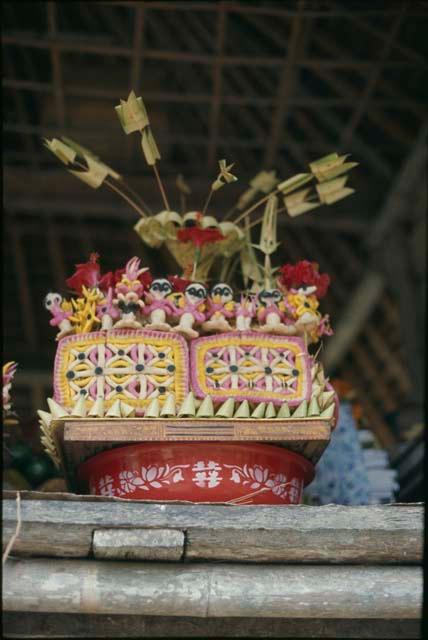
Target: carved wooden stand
[{"x": 81, "y": 438}]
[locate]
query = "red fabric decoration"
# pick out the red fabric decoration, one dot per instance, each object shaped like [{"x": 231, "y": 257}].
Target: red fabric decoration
[
  {"x": 107, "y": 281},
  {"x": 146, "y": 279},
  {"x": 199, "y": 236},
  {"x": 87, "y": 274},
  {"x": 178, "y": 283},
  {"x": 304, "y": 272}
]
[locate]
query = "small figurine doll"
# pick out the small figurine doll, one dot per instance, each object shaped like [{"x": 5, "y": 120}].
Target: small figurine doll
[
  {"x": 159, "y": 307},
  {"x": 107, "y": 312},
  {"x": 303, "y": 304},
  {"x": 220, "y": 306},
  {"x": 191, "y": 309},
  {"x": 245, "y": 312},
  {"x": 61, "y": 312},
  {"x": 271, "y": 313},
  {"x": 304, "y": 286},
  {"x": 129, "y": 292},
  {"x": 8, "y": 372}
]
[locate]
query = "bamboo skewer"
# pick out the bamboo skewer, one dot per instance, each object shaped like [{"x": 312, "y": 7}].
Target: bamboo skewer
[
  {"x": 137, "y": 196},
  {"x": 207, "y": 201},
  {"x": 125, "y": 197},
  {"x": 160, "y": 185},
  {"x": 117, "y": 190},
  {"x": 256, "y": 205}
]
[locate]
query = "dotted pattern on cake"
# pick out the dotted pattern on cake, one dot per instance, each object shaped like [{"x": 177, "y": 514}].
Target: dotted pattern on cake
[
  {"x": 250, "y": 366},
  {"x": 130, "y": 365}
]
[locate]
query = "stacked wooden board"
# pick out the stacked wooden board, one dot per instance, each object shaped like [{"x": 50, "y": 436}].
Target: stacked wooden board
[{"x": 86, "y": 566}]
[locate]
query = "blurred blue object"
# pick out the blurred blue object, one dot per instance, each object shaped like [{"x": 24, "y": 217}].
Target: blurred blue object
[{"x": 341, "y": 476}]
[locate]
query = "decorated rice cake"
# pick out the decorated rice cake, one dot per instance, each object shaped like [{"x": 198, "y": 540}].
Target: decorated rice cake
[
  {"x": 228, "y": 338},
  {"x": 250, "y": 366},
  {"x": 133, "y": 366}
]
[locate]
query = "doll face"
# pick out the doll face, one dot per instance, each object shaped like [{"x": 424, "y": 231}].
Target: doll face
[
  {"x": 269, "y": 296},
  {"x": 221, "y": 292},
  {"x": 160, "y": 288},
  {"x": 195, "y": 293},
  {"x": 52, "y": 301},
  {"x": 306, "y": 289}
]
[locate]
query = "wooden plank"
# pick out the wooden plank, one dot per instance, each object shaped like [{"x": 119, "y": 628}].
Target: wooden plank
[
  {"x": 212, "y": 590},
  {"x": 138, "y": 544},
  {"x": 303, "y": 534},
  {"x": 142, "y": 429},
  {"x": 71, "y": 625}
]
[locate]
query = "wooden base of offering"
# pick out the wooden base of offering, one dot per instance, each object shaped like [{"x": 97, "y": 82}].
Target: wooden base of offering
[{"x": 80, "y": 439}]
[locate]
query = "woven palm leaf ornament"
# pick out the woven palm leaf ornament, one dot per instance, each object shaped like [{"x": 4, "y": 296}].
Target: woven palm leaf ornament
[{"x": 198, "y": 239}]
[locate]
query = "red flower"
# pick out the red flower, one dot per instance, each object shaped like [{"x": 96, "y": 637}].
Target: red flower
[
  {"x": 199, "y": 236},
  {"x": 87, "y": 274},
  {"x": 322, "y": 285},
  {"x": 304, "y": 272}
]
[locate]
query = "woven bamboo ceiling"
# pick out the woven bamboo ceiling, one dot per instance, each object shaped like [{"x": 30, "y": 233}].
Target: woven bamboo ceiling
[{"x": 263, "y": 84}]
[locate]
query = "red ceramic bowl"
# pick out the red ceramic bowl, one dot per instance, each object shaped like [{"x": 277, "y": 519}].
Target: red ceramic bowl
[{"x": 241, "y": 473}]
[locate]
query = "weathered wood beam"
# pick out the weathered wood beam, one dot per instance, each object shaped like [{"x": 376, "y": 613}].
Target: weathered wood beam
[
  {"x": 136, "y": 70},
  {"x": 114, "y": 23},
  {"x": 368, "y": 291},
  {"x": 24, "y": 291},
  {"x": 371, "y": 411},
  {"x": 197, "y": 58},
  {"x": 232, "y": 7},
  {"x": 382, "y": 119},
  {"x": 189, "y": 97},
  {"x": 217, "y": 84},
  {"x": 376, "y": 114},
  {"x": 329, "y": 45},
  {"x": 66, "y": 625},
  {"x": 397, "y": 266},
  {"x": 396, "y": 206},
  {"x": 22, "y": 112},
  {"x": 372, "y": 80},
  {"x": 378, "y": 340},
  {"x": 51, "y": 8},
  {"x": 181, "y": 139},
  {"x": 56, "y": 255},
  {"x": 287, "y": 79},
  {"x": 329, "y": 119},
  {"x": 367, "y": 372},
  {"x": 211, "y": 590},
  {"x": 138, "y": 51},
  {"x": 370, "y": 28},
  {"x": 380, "y": 534},
  {"x": 139, "y": 544}
]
